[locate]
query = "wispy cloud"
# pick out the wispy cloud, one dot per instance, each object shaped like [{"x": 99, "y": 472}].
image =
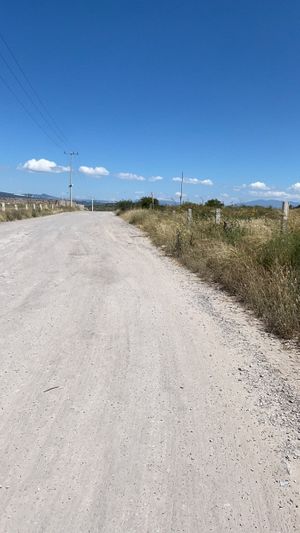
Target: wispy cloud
[
  {"x": 194, "y": 181},
  {"x": 156, "y": 178},
  {"x": 129, "y": 176},
  {"x": 94, "y": 172},
  {"x": 178, "y": 194},
  {"x": 42, "y": 165},
  {"x": 238, "y": 188},
  {"x": 164, "y": 197}
]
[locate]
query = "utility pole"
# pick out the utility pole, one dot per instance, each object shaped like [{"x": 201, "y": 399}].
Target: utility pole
[
  {"x": 180, "y": 200},
  {"x": 71, "y": 154}
]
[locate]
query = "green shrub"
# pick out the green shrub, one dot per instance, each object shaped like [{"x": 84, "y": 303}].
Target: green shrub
[{"x": 283, "y": 250}]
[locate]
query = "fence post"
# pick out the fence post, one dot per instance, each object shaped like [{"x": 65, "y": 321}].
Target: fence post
[
  {"x": 3, "y": 206},
  {"x": 218, "y": 216},
  {"x": 41, "y": 207},
  {"x": 26, "y": 207},
  {"x": 285, "y": 216},
  {"x": 52, "y": 206},
  {"x": 16, "y": 207},
  {"x": 189, "y": 216},
  {"x": 33, "y": 207}
]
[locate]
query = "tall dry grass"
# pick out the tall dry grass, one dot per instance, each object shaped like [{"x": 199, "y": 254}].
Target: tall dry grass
[
  {"x": 11, "y": 214},
  {"x": 250, "y": 258}
]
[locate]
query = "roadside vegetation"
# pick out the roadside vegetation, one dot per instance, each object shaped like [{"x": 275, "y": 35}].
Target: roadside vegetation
[
  {"x": 11, "y": 213},
  {"x": 247, "y": 254}
]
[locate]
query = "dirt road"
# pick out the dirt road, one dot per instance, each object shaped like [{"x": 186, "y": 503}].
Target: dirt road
[{"x": 135, "y": 398}]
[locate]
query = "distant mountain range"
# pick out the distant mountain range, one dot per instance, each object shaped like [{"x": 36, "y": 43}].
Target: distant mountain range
[
  {"x": 276, "y": 204},
  {"x": 49, "y": 197},
  {"x": 35, "y": 196}
]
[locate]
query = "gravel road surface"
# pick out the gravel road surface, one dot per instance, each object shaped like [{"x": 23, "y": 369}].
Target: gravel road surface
[{"x": 134, "y": 397}]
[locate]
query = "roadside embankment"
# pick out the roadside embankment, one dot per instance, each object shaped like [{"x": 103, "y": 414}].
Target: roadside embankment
[{"x": 249, "y": 256}]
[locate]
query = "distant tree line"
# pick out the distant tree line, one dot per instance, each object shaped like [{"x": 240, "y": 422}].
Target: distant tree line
[{"x": 147, "y": 202}]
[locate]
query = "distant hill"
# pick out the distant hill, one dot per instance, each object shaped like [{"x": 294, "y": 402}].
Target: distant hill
[
  {"x": 50, "y": 197},
  {"x": 276, "y": 204},
  {"x": 35, "y": 196},
  {"x": 8, "y": 195}
]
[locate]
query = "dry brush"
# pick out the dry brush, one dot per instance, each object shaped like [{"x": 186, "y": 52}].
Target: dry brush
[{"x": 248, "y": 256}]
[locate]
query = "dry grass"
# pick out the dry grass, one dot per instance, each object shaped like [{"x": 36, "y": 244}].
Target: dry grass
[
  {"x": 11, "y": 214},
  {"x": 251, "y": 259}
]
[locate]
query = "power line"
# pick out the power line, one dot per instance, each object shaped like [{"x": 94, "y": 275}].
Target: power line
[
  {"x": 59, "y": 130},
  {"x": 28, "y": 112},
  {"x": 49, "y": 120},
  {"x": 30, "y": 98}
]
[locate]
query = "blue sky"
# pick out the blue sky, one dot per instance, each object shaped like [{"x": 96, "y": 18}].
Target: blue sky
[{"x": 147, "y": 89}]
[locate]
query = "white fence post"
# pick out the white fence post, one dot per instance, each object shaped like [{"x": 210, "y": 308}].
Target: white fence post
[
  {"x": 41, "y": 207},
  {"x": 33, "y": 207},
  {"x": 26, "y": 207},
  {"x": 3, "y": 206},
  {"x": 16, "y": 207},
  {"x": 285, "y": 215},
  {"x": 218, "y": 216},
  {"x": 189, "y": 215}
]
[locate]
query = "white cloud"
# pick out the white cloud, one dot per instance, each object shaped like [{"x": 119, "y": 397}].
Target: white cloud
[
  {"x": 129, "y": 176},
  {"x": 42, "y": 165},
  {"x": 259, "y": 185},
  {"x": 194, "y": 181},
  {"x": 295, "y": 187},
  {"x": 178, "y": 194},
  {"x": 156, "y": 178},
  {"x": 207, "y": 182},
  {"x": 95, "y": 172},
  {"x": 280, "y": 195}
]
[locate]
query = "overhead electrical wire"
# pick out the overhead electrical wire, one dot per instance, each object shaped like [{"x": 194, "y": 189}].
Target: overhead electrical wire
[
  {"x": 61, "y": 139},
  {"x": 28, "y": 112},
  {"x": 59, "y": 130},
  {"x": 28, "y": 95}
]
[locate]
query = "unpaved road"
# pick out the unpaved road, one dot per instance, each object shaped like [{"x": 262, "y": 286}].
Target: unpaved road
[{"x": 135, "y": 398}]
